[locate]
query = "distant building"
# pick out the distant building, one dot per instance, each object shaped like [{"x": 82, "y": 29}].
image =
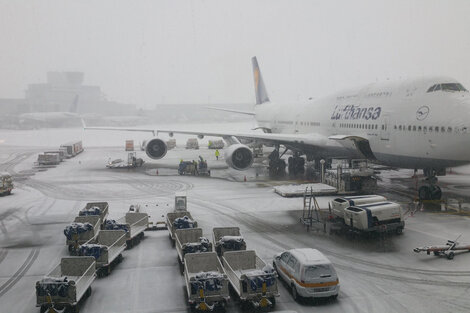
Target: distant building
[{"x": 65, "y": 92}]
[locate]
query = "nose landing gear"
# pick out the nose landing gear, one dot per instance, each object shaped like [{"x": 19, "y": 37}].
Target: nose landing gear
[{"x": 431, "y": 191}]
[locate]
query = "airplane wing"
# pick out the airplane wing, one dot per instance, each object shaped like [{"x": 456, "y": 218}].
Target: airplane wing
[{"x": 312, "y": 139}]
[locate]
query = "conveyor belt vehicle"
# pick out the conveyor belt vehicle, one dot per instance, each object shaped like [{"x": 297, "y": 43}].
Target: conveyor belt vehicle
[{"x": 66, "y": 285}]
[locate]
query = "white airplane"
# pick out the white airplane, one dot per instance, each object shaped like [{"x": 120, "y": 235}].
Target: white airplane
[{"x": 417, "y": 124}]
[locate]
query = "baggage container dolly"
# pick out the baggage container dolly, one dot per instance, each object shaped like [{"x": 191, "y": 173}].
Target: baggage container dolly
[
  {"x": 66, "y": 285},
  {"x": 170, "y": 219},
  {"x": 190, "y": 240},
  {"x": 206, "y": 282},
  {"x": 251, "y": 279},
  {"x": 136, "y": 224},
  {"x": 78, "y": 233},
  {"x": 90, "y": 209},
  {"x": 227, "y": 239},
  {"x": 107, "y": 250}
]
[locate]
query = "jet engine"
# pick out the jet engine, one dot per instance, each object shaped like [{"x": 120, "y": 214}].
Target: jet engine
[
  {"x": 155, "y": 148},
  {"x": 238, "y": 156}
]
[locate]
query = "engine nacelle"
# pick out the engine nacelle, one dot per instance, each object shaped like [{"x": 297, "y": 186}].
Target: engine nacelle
[
  {"x": 238, "y": 156},
  {"x": 155, "y": 148}
]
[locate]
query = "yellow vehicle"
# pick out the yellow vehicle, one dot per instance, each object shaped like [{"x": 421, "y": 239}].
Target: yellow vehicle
[{"x": 6, "y": 184}]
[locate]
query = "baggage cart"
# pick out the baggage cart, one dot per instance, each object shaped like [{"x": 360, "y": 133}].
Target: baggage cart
[
  {"x": 76, "y": 238},
  {"x": 192, "y": 143},
  {"x": 171, "y": 217},
  {"x": 48, "y": 159},
  {"x": 252, "y": 280},
  {"x": 135, "y": 224},
  {"x": 89, "y": 210},
  {"x": 107, "y": 250},
  {"x": 190, "y": 240},
  {"x": 206, "y": 282},
  {"x": 66, "y": 285},
  {"x": 227, "y": 239}
]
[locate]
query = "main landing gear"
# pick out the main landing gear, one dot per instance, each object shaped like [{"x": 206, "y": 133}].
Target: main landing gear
[
  {"x": 431, "y": 191},
  {"x": 277, "y": 166}
]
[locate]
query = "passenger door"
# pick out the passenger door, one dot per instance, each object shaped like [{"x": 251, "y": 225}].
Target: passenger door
[
  {"x": 385, "y": 128},
  {"x": 283, "y": 265},
  {"x": 291, "y": 265}
]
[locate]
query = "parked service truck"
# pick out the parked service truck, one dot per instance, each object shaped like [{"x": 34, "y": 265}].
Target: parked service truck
[
  {"x": 252, "y": 280},
  {"x": 190, "y": 240},
  {"x": 66, "y": 284},
  {"x": 73, "y": 148},
  {"x": 107, "y": 250},
  {"x": 227, "y": 239},
  {"x": 206, "y": 282},
  {"x": 375, "y": 217},
  {"x": 48, "y": 159},
  {"x": 338, "y": 205}
]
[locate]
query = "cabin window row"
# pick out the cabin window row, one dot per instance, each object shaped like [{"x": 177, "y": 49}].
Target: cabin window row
[
  {"x": 359, "y": 126},
  {"x": 436, "y": 129}
]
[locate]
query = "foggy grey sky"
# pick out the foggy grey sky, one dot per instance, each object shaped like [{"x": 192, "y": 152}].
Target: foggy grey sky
[{"x": 146, "y": 52}]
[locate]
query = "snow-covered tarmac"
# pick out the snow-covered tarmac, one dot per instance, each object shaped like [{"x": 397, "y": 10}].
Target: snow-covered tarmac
[{"x": 376, "y": 274}]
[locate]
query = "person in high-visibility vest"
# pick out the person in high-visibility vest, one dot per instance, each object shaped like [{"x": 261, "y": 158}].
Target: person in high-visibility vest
[{"x": 217, "y": 154}]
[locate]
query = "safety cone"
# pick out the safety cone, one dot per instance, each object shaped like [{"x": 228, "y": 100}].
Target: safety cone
[
  {"x": 244, "y": 179},
  {"x": 157, "y": 171}
]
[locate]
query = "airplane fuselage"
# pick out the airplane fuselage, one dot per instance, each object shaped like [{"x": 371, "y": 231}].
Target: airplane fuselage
[{"x": 406, "y": 125}]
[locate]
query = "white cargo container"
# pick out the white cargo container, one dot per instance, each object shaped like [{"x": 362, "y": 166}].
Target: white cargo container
[
  {"x": 48, "y": 159},
  {"x": 66, "y": 284},
  {"x": 338, "y": 205},
  {"x": 253, "y": 281},
  {"x": 379, "y": 217},
  {"x": 206, "y": 282}
]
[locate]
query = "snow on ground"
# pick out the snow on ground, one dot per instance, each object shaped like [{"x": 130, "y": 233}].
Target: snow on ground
[{"x": 376, "y": 274}]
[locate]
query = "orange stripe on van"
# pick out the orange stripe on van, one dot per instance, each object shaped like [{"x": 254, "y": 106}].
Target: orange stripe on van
[{"x": 310, "y": 285}]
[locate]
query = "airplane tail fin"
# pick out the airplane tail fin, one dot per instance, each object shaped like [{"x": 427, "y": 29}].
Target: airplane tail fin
[{"x": 260, "y": 90}]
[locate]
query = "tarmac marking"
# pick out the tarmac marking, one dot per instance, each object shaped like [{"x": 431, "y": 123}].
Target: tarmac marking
[
  {"x": 20, "y": 272},
  {"x": 3, "y": 254}
]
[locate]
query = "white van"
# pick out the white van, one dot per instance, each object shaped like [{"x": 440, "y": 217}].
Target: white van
[
  {"x": 338, "y": 205},
  {"x": 308, "y": 272},
  {"x": 379, "y": 216}
]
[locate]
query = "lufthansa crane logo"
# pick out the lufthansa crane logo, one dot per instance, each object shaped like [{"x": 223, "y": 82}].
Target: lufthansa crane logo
[
  {"x": 256, "y": 78},
  {"x": 422, "y": 113}
]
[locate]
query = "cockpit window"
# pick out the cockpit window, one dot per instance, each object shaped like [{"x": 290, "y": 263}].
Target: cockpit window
[{"x": 447, "y": 87}]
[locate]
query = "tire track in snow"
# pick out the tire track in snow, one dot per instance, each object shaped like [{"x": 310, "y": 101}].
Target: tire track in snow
[{"x": 20, "y": 272}]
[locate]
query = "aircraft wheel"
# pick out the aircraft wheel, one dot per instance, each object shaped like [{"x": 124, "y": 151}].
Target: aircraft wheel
[
  {"x": 424, "y": 193},
  {"x": 436, "y": 192}
]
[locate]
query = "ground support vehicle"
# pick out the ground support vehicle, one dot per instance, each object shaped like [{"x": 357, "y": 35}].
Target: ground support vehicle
[
  {"x": 106, "y": 249},
  {"x": 170, "y": 220},
  {"x": 66, "y": 285},
  {"x": 100, "y": 209},
  {"x": 251, "y": 279},
  {"x": 216, "y": 144},
  {"x": 73, "y": 148},
  {"x": 227, "y": 239},
  {"x": 187, "y": 168},
  {"x": 81, "y": 230},
  {"x": 448, "y": 250},
  {"x": 132, "y": 162},
  {"x": 190, "y": 240},
  {"x": 61, "y": 154},
  {"x": 206, "y": 282},
  {"x": 377, "y": 217},
  {"x": 192, "y": 143},
  {"x": 338, "y": 205},
  {"x": 6, "y": 184},
  {"x": 181, "y": 203},
  {"x": 48, "y": 159},
  {"x": 134, "y": 223},
  {"x": 308, "y": 273}
]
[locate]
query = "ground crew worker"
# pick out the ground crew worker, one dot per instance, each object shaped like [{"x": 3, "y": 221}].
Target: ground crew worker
[{"x": 217, "y": 154}]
